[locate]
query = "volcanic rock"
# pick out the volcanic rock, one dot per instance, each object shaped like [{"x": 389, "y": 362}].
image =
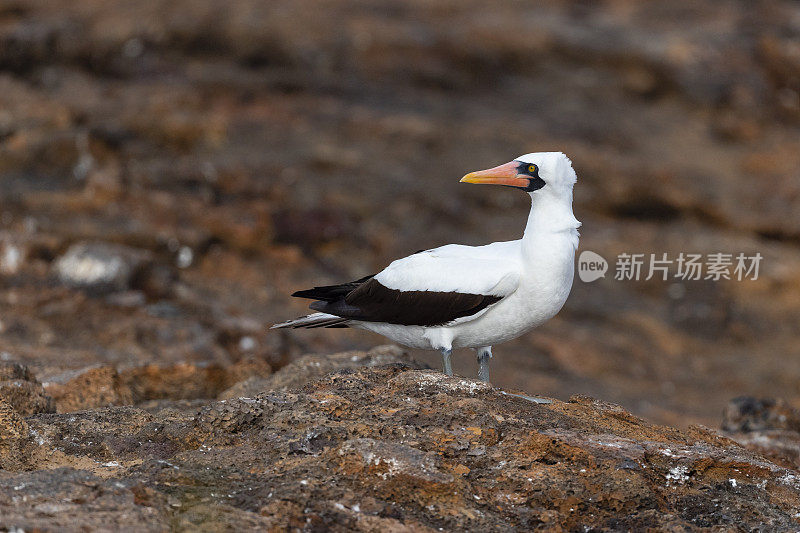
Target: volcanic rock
[
  {"x": 309, "y": 367},
  {"x": 19, "y": 388},
  {"x": 384, "y": 447},
  {"x": 88, "y": 388},
  {"x": 768, "y": 426}
]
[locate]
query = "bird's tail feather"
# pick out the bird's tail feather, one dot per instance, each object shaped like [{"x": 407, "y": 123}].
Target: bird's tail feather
[{"x": 314, "y": 320}]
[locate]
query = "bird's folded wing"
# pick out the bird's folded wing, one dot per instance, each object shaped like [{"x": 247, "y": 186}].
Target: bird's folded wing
[
  {"x": 427, "y": 290},
  {"x": 485, "y": 270},
  {"x": 443, "y": 286}
]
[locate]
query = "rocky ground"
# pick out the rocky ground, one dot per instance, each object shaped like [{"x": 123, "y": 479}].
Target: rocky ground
[
  {"x": 375, "y": 442},
  {"x": 170, "y": 171}
]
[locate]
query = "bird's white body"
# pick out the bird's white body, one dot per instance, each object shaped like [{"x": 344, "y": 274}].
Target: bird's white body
[
  {"x": 470, "y": 296},
  {"x": 533, "y": 273}
]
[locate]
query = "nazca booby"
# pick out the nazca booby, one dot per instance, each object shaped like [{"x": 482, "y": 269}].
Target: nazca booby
[{"x": 459, "y": 296}]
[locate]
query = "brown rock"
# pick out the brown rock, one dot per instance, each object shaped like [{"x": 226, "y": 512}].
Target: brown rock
[
  {"x": 384, "y": 459},
  {"x": 12, "y": 425},
  {"x": 14, "y": 439},
  {"x": 189, "y": 381},
  {"x": 246, "y": 369},
  {"x": 384, "y": 447},
  {"x": 19, "y": 388},
  {"x": 89, "y": 388},
  {"x": 249, "y": 377},
  {"x": 246, "y": 388},
  {"x": 307, "y": 368},
  {"x": 180, "y": 381},
  {"x": 12, "y": 371},
  {"x": 768, "y": 426}
]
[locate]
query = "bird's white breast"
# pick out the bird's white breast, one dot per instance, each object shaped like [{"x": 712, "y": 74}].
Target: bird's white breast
[{"x": 543, "y": 290}]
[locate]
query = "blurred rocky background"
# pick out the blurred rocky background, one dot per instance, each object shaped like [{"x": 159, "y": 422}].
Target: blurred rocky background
[{"x": 170, "y": 171}]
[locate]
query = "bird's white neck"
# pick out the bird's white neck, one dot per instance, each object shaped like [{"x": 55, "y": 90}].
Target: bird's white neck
[{"x": 550, "y": 219}]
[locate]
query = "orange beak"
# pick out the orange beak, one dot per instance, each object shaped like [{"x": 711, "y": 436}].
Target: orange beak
[{"x": 502, "y": 175}]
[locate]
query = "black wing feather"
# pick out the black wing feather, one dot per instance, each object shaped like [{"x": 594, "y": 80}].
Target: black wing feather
[
  {"x": 331, "y": 293},
  {"x": 370, "y": 301}
]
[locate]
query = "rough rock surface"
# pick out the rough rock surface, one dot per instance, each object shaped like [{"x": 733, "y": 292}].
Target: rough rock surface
[
  {"x": 88, "y": 388},
  {"x": 381, "y": 448},
  {"x": 768, "y": 426},
  {"x": 301, "y": 371},
  {"x": 20, "y": 389},
  {"x": 102, "y": 386}
]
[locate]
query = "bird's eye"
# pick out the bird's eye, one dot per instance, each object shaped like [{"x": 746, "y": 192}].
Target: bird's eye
[{"x": 531, "y": 168}]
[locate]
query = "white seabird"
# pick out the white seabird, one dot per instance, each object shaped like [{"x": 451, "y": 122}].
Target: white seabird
[{"x": 459, "y": 296}]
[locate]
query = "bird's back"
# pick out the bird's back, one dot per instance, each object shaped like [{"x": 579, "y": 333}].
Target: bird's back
[{"x": 457, "y": 268}]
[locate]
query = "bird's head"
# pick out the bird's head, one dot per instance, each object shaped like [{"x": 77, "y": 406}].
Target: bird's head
[{"x": 540, "y": 173}]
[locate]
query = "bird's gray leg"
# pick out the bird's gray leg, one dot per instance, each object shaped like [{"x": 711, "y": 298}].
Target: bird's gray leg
[
  {"x": 484, "y": 356},
  {"x": 446, "y": 366}
]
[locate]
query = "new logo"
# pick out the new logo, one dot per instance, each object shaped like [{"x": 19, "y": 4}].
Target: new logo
[{"x": 591, "y": 266}]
